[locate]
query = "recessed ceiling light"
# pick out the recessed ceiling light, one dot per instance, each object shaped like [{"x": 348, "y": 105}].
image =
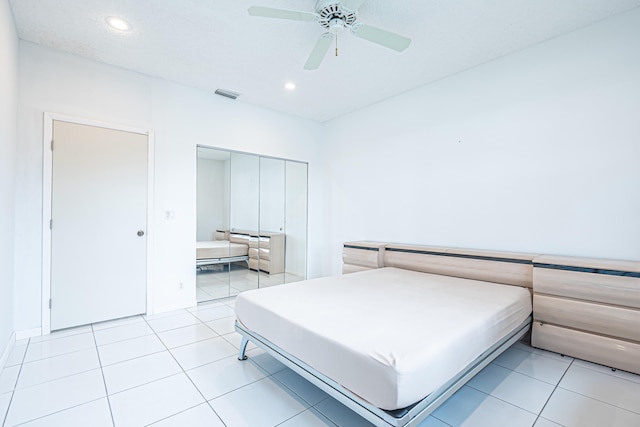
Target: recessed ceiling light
[
  {"x": 118, "y": 23},
  {"x": 290, "y": 86}
]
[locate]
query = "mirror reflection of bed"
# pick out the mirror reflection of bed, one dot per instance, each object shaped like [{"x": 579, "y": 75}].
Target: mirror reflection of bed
[{"x": 251, "y": 222}]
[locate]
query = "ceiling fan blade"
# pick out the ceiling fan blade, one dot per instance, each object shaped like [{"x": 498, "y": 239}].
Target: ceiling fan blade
[
  {"x": 352, "y": 4},
  {"x": 382, "y": 37},
  {"x": 268, "y": 12},
  {"x": 319, "y": 51}
]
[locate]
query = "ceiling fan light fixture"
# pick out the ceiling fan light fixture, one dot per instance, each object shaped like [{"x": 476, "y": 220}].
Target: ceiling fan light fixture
[
  {"x": 118, "y": 23},
  {"x": 336, "y": 25}
]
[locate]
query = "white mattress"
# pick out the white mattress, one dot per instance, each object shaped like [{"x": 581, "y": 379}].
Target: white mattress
[
  {"x": 390, "y": 336},
  {"x": 219, "y": 249}
]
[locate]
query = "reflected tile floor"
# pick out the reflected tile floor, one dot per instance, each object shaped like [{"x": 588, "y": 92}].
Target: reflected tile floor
[
  {"x": 181, "y": 369},
  {"x": 216, "y": 282}
]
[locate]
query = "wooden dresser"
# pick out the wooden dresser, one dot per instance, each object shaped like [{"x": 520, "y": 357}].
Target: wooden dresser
[
  {"x": 266, "y": 252},
  {"x": 588, "y": 308}
]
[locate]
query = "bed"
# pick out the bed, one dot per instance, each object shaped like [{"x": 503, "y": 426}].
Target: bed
[
  {"x": 220, "y": 252},
  {"x": 393, "y": 340}
]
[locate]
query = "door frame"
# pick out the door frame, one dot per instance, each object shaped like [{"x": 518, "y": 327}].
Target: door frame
[{"x": 47, "y": 190}]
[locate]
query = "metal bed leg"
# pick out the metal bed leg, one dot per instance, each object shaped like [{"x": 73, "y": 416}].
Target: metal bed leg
[{"x": 243, "y": 348}]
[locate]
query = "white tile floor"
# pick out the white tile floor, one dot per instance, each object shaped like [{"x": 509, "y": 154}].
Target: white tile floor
[{"x": 180, "y": 369}]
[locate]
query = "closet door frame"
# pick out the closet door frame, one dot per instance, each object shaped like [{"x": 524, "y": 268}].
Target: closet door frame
[{"x": 47, "y": 169}]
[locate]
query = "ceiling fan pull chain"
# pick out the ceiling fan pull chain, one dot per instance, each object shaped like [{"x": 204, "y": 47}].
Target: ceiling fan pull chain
[{"x": 336, "y": 44}]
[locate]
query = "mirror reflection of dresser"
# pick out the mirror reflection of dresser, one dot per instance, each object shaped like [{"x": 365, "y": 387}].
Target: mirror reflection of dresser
[
  {"x": 266, "y": 252},
  {"x": 253, "y": 202}
]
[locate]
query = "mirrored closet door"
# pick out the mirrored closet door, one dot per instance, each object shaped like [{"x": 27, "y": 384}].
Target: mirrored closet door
[{"x": 251, "y": 222}]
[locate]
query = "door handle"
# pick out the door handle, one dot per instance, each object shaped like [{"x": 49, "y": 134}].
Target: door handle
[{"x": 140, "y": 233}]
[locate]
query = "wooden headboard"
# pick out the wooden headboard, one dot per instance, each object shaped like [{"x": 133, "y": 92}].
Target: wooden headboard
[
  {"x": 587, "y": 308},
  {"x": 360, "y": 256},
  {"x": 509, "y": 268}
]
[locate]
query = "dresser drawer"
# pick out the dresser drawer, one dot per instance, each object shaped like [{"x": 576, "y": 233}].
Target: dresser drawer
[
  {"x": 262, "y": 265},
  {"x": 603, "y": 319},
  {"x": 259, "y": 253},
  {"x": 239, "y": 238},
  {"x": 260, "y": 242}
]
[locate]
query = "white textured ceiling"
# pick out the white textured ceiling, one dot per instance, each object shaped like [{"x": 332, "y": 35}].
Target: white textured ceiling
[{"x": 210, "y": 44}]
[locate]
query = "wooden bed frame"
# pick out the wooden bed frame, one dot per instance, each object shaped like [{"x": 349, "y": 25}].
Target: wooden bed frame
[{"x": 588, "y": 308}]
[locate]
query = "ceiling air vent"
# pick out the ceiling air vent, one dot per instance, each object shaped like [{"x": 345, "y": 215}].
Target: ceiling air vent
[{"x": 227, "y": 93}]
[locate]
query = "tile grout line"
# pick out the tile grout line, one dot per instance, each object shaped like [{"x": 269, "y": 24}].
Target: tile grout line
[
  {"x": 60, "y": 354},
  {"x": 58, "y": 378},
  {"x": 526, "y": 375},
  {"x": 218, "y": 335},
  {"x": 498, "y": 398},
  {"x": 302, "y": 412},
  {"x": 591, "y": 397},
  {"x": 608, "y": 368},
  {"x": 302, "y": 398},
  {"x": 13, "y": 392},
  {"x": 185, "y": 373},
  {"x": 206, "y": 305},
  {"x": 57, "y": 355},
  {"x": 56, "y": 338},
  {"x": 129, "y": 358},
  {"x": 104, "y": 381},
  {"x": 58, "y": 411},
  {"x": 516, "y": 372},
  {"x": 283, "y": 384},
  {"x": 442, "y": 421},
  {"x": 554, "y": 390},
  {"x": 314, "y": 407},
  {"x": 502, "y": 400},
  {"x": 173, "y": 415},
  {"x": 131, "y": 320},
  {"x": 598, "y": 400},
  {"x": 547, "y": 354}
]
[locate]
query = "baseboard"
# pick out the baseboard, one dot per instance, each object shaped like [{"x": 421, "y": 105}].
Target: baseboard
[
  {"x": 7, "y": 350},
  {"x": 28, "y": 333},
  {"x": 172, "y": 307}
]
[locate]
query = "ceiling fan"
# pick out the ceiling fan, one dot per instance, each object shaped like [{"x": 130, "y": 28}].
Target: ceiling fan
[{"x": 335, "y": 16}]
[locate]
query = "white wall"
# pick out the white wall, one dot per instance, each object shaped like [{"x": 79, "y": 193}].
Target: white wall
[
  {"x": 211, "y": 195},
  {"x": 8, "y": 143},
  {"x": 535, "y": 152},
  {"x": 181, "y": 118}
]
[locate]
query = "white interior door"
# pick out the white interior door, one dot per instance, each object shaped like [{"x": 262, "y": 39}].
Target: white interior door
[{"x": 99, "y": 214}]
